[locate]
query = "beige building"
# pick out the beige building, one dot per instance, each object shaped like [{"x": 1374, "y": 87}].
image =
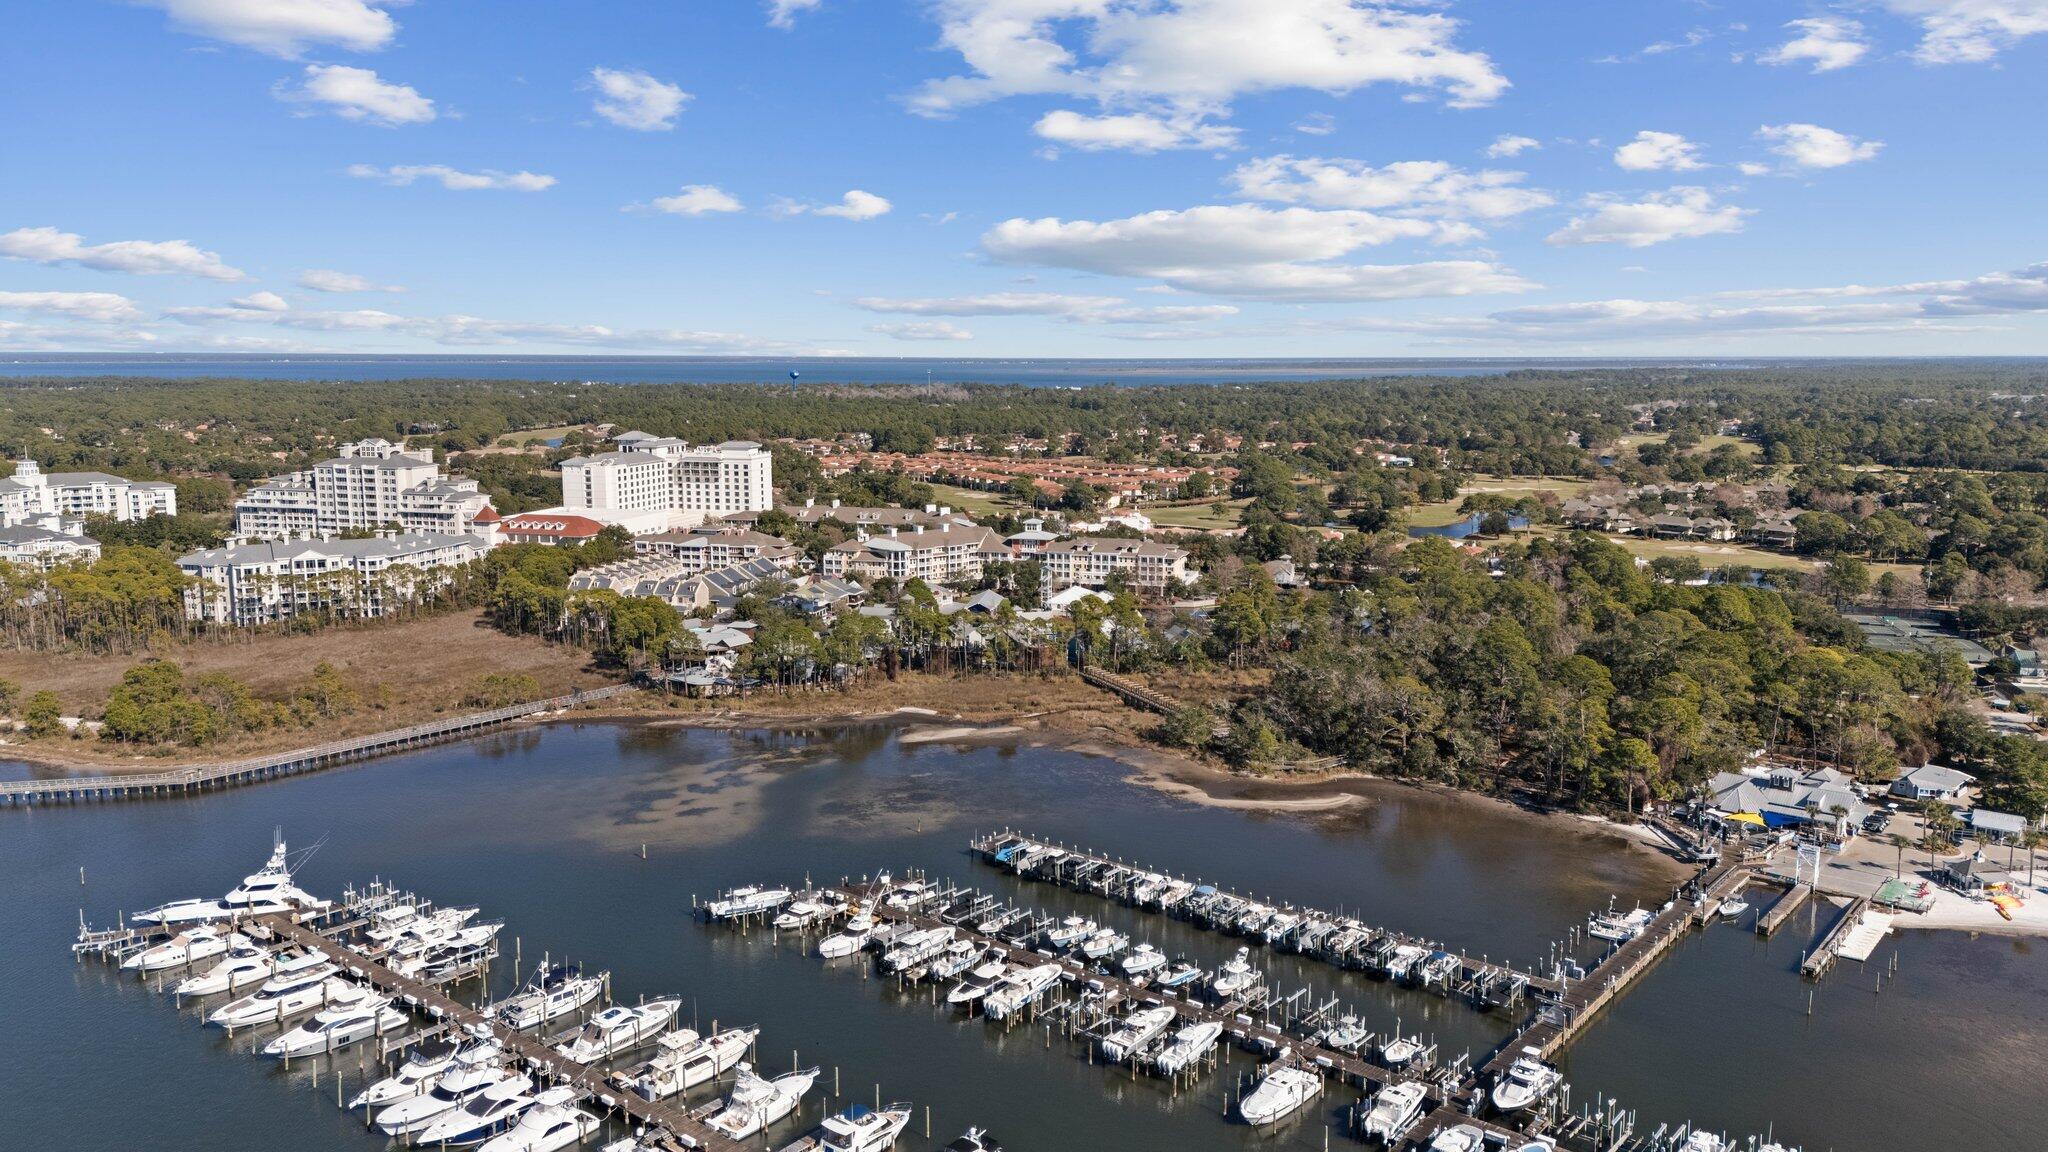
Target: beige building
[{"x": 1088, "y": 561}]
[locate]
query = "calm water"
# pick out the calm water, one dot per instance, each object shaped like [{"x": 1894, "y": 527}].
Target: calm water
[{"x": 543, "y": 828}]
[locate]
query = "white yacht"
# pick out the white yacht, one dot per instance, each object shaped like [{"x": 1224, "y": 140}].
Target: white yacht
[
  {"x": 1135, "y": 1032},
  {"x": 481, "y": 1117},
  {"x": 1394, "y": 1111},
  {"x": 1276, "y": 929},
  {"x": 1069, "y": 932},
  {"x": 1180, "y": 974},
  {"x": 683, "y": 1061},
  {"x": 356, "y": 1015},
  {"x": 1279, "y": 1095},
  {"x": 245, "y": 965},
  {"x": 1142, "y": 960},
  {"x": 619, "y": 1028},
  {"x": 268, "y": 889},
  {"x": 1236, "y": 975},
  {"x": 979, "y": 982},
  {"x": 280, "y": 999},
  {"x": 916, "y": 948},
  {"x": 425, "y": 1063},
  {"x": 911, "y": 895},
  {"x": 552, "y": 1122},
  {"x": 863, "y": 1129},
  {"x": 756, "y": 1103},
  {"x": 454, "y": 1088},
  {"x": 957, "y": 958},
  {"x": 1187, "y": 1048},
  {"x": 551, "y": 992},
  {"x": 416, "y": 932},
  {"x": 1405, "y": 961},
  {"x": 1019, "y": 990},
  {"x": 1105, "y": 943},
  {"x": 752, "y": 900},
  {"x": 850, "y": 939},
  {"x": 1397, "y": 1052},
  {"x": 813, "y": 910},
  {"x": 1526, "y": 1082},
  {"x": 1698, "y": 1141},
  {"x": 193, "y": 944},
  {"x": 1348, "y": 1034},
  {"x": 1459, "y": 1138},
  {"x": 1620, "y": 928},
  {"x": 415, "y": 961}
]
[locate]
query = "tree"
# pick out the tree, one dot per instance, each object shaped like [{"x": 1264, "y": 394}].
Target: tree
[{"x": 43, "y": 715}]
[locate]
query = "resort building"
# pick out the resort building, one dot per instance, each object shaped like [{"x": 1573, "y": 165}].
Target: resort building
[
  {"x": 257, "y": 583},
  {"x": 933, "y": 555},
  {"x": 31, "y": 492},
  {"x": 703, "y": 551},
  {"x": 44, "y": 548},
  {"x": 1090, "y": 560},
  {"x": 368, "y": 484},
  {"x": 653, "y": 473}
]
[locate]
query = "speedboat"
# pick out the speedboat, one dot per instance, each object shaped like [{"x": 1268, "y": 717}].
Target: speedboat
[
  {"x": 1619, "y": 928},
  {"x": 1459, "y": 1138},
  {"x": 1439, "y": 971},
  {"x": 357, "y": 1015},
  {"x": 916, "y": 948},
  {"x": 1698, "y": 1141},
  {"x": 851, "y": 939},
  {"x": 1405, "y": 960},
  {"x": 1279, "y": 1095},
  {"x": 482, "y": 1116},
  {"x": 1526, "y": 1082},
  {"x": 954, "y": 960},
  {"x": 977, "y": 983},
  {"x": 1400, "y": 1051},
  {"x": 1018, "y": 990},
  {"x": 1347, "y": 1035},
  {"x": 1394, "y": 1111},
  {"x": 684, "y": 1061},
  {"x": 756, "y": 1103},
  {"x": 424, "y": 1064},
  {"x": 975, "y": 1140},
  {"x": 911, "y": 895},
  {"x": 1107, "y": 942},
  {"x": 999, "y": 919},
  {"x": 1069, "y": 932},
  {"x": 194, "y": 944},
  {"x": 752, "y": 900},
  {"x": 1181, "y": 974},
  {"x": 1143, "y": 959},
  {"x": 267, "y": 890},
  {"x": 1187, "y": 1048},
  {"x": 804, "y": 913},
  {"x": 1235, "y": 976},
  {"x": 1731, "y": 908},
  {"x": 281, "y": 998},
  {"x": 863, "y": 1129},
  {"x": 1276, "y": 929},
  {"x": 617, "y": 1029},
  {"x": 550, "y": 992},
  {"x": 551, "y": 1122},
  {"x": 454, "y": 1088},
  {"x": 1136, "y": 1031}
]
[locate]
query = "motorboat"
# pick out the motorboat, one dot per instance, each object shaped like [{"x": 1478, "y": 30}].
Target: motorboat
[
  {"x": 1187, "y": 1048},
  {"x": 1105, "y": 943},
  {"x": 1253, "y": 920},
  {"x": 1459, "y": 1138},
  {"x": 280, "y": 999},
  {"x": 1348, "y": 1034},
  {"x": 245, "y": 962},
  {"x": 551, "y": 1122},
  {"x": 755, "y": 1103},
  {"x": 799, "y": 914},
  {"x": 1698, "y": 1141},
  {"x": 267, "y": 890},
  {"x": 1236, "y": 975},
  {"x": 1136, "y": 1032},
  {"x": 1019, "y": 990},
  {"x": 1526, "y": 1082},
  {"x": 460, "y": 1084},
  {"x": 416, "y": 933},
  {"x": 1280, "y": 1094},
  {"x": 911, "y": 895},
  {"x": 1731, "y": 908},
  {"x": 974, "y": 1140},
  {"x": 1398, "y": 1052},
  {"x": 999, "y": 920},
  {"x": 752, "y": 900},
  {"x": 1173, "y": 895},
  {"x": 1143, "y": 959},
  {"x": 916, "y": 948},
  {"x": 1405, "y": 960},
  {"x": 863, "y": 1129},
  {"x": 1070, "y": 932},
  {"x": 190, "y": 946},
  {"x": 489, "y": 1112},
  {"x": 1276, "y": 929},
  {"x": 470, "y": 950},
  {"x": 552, "y": 991},
  {"x": 1619, "y": 928},
  {"x": 1393, "y": 1112},
  {"x": 849, "y": 940},
  {"x": 619, "y": 1028},
  {"x": 424, "y": 1064},
  {"x": 682, "y": 1061},
  {"x": 978, "y": 982},
  {"x": 957, "y": 957},
  {"x": 1440, "y": 970},
  {"x": 357, "y": 1015}
]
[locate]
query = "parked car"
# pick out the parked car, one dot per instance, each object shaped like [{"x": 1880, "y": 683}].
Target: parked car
[{"x": 1876, "y": 822}]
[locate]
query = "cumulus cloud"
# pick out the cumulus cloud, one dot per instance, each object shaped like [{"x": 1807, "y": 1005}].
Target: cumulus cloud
[
  {"x": 264, "y": 301},
  {"x": 453, "y": 179},
  {"x": 1409, "y": 187},
  {"x": 1659, "y": 152},
  {"x": 141, "y": 257},
  {"x": 286, "y": 27},
  {"x": 1199, "y": 55},
  {"x": 1812, "y": 146},
  {"x": 1132, "y": 132},
  {"x": 855, "y": 205},
  {"x": 1826, "y": 42},
  {"x": 1248, "y": 251},
  {"x": 1679, "y": 213},
  {"x": 783, "y": 13},
  {"x": 358, "y": 94},
  {"x": 698, "y": 200},
  {"x": 99, "y": 307},
  {"x": 1505, "y": 146},
  {"x": 328, "y": 280},
  {"x": 922, "y": 330},
  {"x": 637, "y": 100},
  {"x": 1970, "y": 31},
  {"x": 1316, "y": 124},
  {"x": 1063, "y": 306}
]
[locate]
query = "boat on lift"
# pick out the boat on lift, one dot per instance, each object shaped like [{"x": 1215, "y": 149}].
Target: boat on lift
[
  {"x": 1281, "y": 1093},
  {"x": 1348, "y": 1034},
  {"x": 755, "y": 1103},
  {"x": 1069, "y": 932},
  {"x": 1526, "y": 1083},
  {"x": 1620, "y": 928},
  {"x": 1181, "y": 974},
  {"x": 263, "y": 892},
  {"x": 1019, "y": 990},
  {"x": 1398, "y": 1052},
  {"x": 978, "y": 982},
  {"x": 1104, "y": 944},
  {"x": 1459, "y": 1138},
  {"x": 814, "y": 909},
  {"x": 752, "y": 900},
  {"x": 682, "y": 1060},
  {"x": 850, "y": 939},
  {"x": 1136, "y": 1032},
  {"x": 1236, "y": 975},
  {"x": 1187, "y": 1048},
  {"x": 1142, "y": 960},
  {"x": 1393, "y": 1112}
]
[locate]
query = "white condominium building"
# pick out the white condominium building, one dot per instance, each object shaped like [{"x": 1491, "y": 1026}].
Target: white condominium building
[
  {"x": 653, "y": 473},
  {"x": 274, "y": 580},
  {"x": 279, "y": 507},
  {"x": 619, "y": 481},
  {"x": 934, "y": 555},
  {"x": 1089, "y": 560},
  {"x": 33, "y": 492},
  {"x": 44, "y": 548},
  {"x": 369, "y": 484},
  {"x": 360, "y": 488}
]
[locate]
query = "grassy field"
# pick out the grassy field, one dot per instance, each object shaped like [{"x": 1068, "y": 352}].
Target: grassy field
[
  {"x": 536, "y": 435},
  {"x": 1446, "y": 512},
  {"x": 973, "y": 501},
  {"x": 1197, "y": 516},
  {"x": 1714, "y": 553}
]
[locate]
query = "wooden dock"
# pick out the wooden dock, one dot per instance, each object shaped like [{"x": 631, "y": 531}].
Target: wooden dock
[
  {"x": 233, "y": 773},
  {"x": 1823, "y": 956},
  {"x": 1782, "y": 909}
]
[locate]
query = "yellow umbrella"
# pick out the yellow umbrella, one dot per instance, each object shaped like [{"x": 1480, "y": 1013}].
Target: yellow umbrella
[{"x": 1748, "y": 818}]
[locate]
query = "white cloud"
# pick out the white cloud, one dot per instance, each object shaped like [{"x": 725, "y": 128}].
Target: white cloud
[
  {"x": 328, "y": 280},
  {"x": 1970, "y": 31},
  {"x": 1409, "y": 187},
  {"x": 1134, "y": 132},
  {"x": 264, "y": 301},
  {"x": 922, "y": 330},
  {"x": 2023, "y": 291},
  {"x": 1504, "y": 146},
  {"x": 1659, "y": 152},
  {"x": 637, "y": 100},
  {"x": 1827, "y": 42},
  {"x": 1081, "y": 309},
  {"x": 141, "y": 257},
  {"x": 1316, "y": 124},
  {"x": 1198, "y": 55},
  {"x": 855, "y": 205},
  {"x": 100, "y": 307},
  {"x": 698, "y": 200},
  {"x": 286, "y": 27},
  {"x": 1752, "y": 168},
  {"x": 1678, "y": 213},
  {"x": 1812, "y": 146},
  {"x": 782, "y": 13},
  {"x": 358, "y": 94},
  {"x": 1250, "y": 251},
  {"x": 463, "y": 330},
  {"x": 453, "y": 179}
]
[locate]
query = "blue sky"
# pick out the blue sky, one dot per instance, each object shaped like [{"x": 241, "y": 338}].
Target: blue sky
[{"x": 1026, "y": 177}]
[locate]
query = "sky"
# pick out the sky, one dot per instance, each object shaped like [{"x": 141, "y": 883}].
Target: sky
[{"x": 1012, "y": 178}]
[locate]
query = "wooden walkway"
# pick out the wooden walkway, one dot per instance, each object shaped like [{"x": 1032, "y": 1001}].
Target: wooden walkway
[
  {"x": 1782, "y": 909},
  {"x": 1822, "y": 958},
  {"x": 206, "y": 778}
]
